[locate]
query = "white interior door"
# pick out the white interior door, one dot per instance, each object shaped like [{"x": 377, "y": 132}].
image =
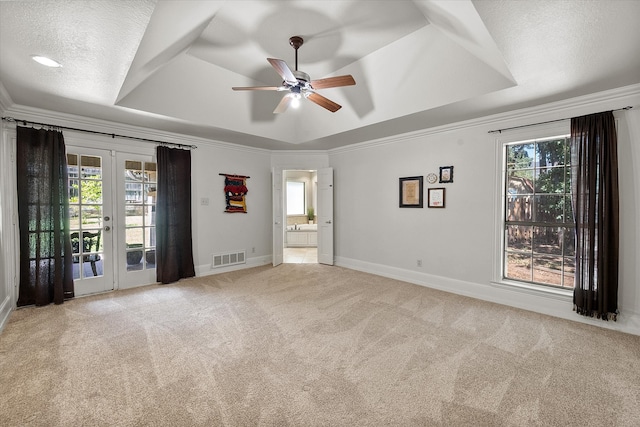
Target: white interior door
[
  {"x": 278, "y": 217},
  {"x": 91, "y": 219},
  {"x": 136, "y": 207},
  {"x": 325, "y": 216}
]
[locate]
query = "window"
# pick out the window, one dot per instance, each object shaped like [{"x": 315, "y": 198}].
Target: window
[
  {"x": 539, "y": 233},
  {"x": 295, "y": 198}
]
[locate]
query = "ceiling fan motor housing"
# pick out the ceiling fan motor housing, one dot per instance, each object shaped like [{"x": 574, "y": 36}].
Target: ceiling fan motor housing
[{"x": 301, "y": 75}]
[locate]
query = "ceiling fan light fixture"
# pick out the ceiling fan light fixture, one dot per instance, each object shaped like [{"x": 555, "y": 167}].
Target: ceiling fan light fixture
[
  {"x": 295, "y": 100},
  {"x": 47, "y": 62}
]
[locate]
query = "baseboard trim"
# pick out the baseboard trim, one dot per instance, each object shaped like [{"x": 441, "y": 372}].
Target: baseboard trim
[
  {"x": 5, "y": 310},
  {"x": 550, "y": 304}
]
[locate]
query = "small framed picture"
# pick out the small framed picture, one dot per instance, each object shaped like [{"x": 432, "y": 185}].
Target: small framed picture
[
  {"x": 411, "y": 192},
  {"x": 446, "y": 174},
  {"x": 436, "y": 198}
]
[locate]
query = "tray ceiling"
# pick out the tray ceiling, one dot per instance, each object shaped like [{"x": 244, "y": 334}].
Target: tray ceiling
[{"x": 170, "y": 65}]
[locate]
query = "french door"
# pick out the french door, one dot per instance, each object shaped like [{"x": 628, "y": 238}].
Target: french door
[
  {"x": 136, "y": 195},
  {"x": 112, "y": 209},
  {"x": 91, "y": 219}
]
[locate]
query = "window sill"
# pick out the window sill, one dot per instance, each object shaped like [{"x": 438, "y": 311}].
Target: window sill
[{"x": 560, "y": 294}]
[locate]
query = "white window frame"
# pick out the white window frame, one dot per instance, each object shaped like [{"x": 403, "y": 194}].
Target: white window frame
[{"x": 537, "y": 132}]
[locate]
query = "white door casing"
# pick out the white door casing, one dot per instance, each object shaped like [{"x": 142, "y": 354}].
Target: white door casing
[
  {"x": 278, "y": 217},
  {"x": 325, "y": 216}
]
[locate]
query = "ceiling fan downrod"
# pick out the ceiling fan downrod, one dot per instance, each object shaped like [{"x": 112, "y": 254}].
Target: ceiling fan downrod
[{"x": 296, "y": 42}]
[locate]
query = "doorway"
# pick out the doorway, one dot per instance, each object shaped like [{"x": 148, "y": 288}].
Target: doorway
[{"x": 300, "y": 243}]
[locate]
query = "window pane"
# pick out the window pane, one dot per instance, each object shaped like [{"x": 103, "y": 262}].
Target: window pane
[
  {"x": 74, "y": 191},
  {"x": 91, "y": 216},
  {"x": 549, "y": 208},
  {"x": 134, "y": 237},
  {"x": 569, "y": 239},
  {"x": 133, "y": 192},
  {"x": 520, "y": 156},
  {"x": 550, "y": 180},
  {"x": 150, "y": 258},
  {"x": 547, "y": 269},
  {"x": 133, "y": 215},
  {"x": 91, "y": 191},
  {"x": 91, "y": 167},
  {"x": 519, "y": 208},
  {"x": 568, "y": 209},
  {"x": 74, "y": 217},
  {"x": 518, "y": 238},
  {"x": 150, "y": 193},
  {"x": 150, "y": 172},
  {"x": 295, "y": 198},
  {"x": 132, "y": 170},
  {"x": 520, "y": 182},
  {"x": 518, "y": 266},
  {"x": 550, "y": 152},
  {"x": 569, "y": 272},
  {"x": 150, "y": 237},
  {"x": 150, "y": 215},
  {"x": 547, "y": 240}
]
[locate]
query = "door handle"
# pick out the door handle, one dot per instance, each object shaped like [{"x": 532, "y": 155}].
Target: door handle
[
  {"x": 107, "y": 228},
  {"x": 328, "y": 222}
]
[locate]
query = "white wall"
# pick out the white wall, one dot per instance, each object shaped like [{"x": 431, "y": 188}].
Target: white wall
[
  {"x": 457, "y": 245},
  {"x": 215, "y": 231}
]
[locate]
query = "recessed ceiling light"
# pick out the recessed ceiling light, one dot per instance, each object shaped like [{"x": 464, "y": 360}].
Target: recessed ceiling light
[{"x": 46, "y": 61}]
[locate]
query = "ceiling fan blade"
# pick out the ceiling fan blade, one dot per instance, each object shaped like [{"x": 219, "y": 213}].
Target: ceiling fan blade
[
  {"x": 324, "y": 102},
  {"x": 338, "y": 81},
  {"x": 283, "y": 69},
  {"x": 258, "y": 88},
  {"x": 283, "y": 104}
]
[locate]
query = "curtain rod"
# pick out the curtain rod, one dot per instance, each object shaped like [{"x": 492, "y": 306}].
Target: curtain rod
[
  {"x": 544, "y": 123},
  {"x": 95, "y": 132}
]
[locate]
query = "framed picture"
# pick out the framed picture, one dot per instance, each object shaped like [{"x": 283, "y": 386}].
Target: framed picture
[
  {"x": 411, "y": 192},
  {"x": 435, "y": 198},
  {"x": 446, "y": 174}
]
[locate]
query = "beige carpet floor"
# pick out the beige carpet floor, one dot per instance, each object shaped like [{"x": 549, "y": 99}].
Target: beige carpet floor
[{"x": 309, "y": 345}]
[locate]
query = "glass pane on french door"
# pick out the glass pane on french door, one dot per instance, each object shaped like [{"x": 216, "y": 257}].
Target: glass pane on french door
[
  {"x": 140, "y": 214},
  {"x": 89, "y": 175},
  {"x": 137, "y": 180}
]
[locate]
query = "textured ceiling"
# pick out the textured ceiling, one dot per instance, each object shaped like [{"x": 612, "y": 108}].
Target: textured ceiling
[{"x": 170, "y": 65}]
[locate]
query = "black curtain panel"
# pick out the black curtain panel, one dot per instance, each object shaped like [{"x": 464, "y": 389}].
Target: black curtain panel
[
  {"x": 174, "y": 253},
  {"x": 46, "y": 270},
  {"x": 594, "y": 179}
]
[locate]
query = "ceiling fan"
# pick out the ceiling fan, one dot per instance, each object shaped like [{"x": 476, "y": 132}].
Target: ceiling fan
[{"x": 299, "y": 85}]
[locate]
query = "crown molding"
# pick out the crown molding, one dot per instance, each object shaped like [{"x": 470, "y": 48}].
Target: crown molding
[
  {"x": 5, "y": 99},
  {"x": 98, "y": 125},
  {"x": 586, "y": 104}
]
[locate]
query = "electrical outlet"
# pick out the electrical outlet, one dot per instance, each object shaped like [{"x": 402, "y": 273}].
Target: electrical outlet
[
  {"x": 419, "y": 263},
  {"x": 204, "y": 201}
]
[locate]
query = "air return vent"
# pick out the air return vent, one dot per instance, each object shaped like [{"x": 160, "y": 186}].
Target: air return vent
[{"x": 227, "y": 259}]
